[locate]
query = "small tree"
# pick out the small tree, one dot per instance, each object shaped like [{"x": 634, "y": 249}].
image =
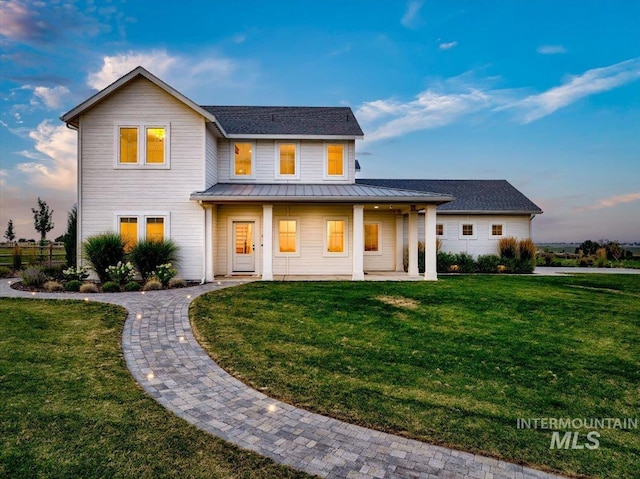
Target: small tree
[
  {"x": 42, "y": 219},
  {"x": 10, "y": 234},
  {"x": 70, "y": 238}
]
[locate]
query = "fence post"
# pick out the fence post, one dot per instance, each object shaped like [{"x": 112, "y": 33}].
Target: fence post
[{"x": 50, "y": 255}]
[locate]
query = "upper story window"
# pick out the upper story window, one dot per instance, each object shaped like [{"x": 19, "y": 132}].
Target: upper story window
[
  {"x": 243, "y": 159},
  {"x": 335, "y": 160},
  {"x": 142, "y": 145},
  {"x": 287, "y": 160}
]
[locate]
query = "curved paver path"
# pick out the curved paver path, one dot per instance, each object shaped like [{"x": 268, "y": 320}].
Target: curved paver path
[{"x": 167, "y": 361}]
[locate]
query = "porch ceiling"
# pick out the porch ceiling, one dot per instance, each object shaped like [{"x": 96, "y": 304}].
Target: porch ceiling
[{"x": 316, "y": 193}]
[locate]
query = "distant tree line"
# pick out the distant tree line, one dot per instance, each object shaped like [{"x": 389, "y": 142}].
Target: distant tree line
[{"x": 613, "y": 250}]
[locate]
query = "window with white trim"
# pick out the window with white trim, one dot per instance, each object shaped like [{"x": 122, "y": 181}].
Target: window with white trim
[
  {"x": 467, "y": 231},
  {"x": 372, "y": 243},
  {"x": 335, "y": 161},
  {"x": 287, "y": 161},
  {"x": 335, "y": 238},
  {"x": 288, "y": 237},
  {"x": 440, "y": 231},
  {"x": 134, "y": 227},
  {"x": 242, "y": 154},
  {"x": 142, "y": 145},
  {"x": 497, "y": 230},
  {"x": 128, "y": 228}
]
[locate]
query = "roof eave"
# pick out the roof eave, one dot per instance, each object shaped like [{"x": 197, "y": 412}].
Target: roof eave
[
  {"x": 491, "y": 212},
  {"x": 71, "y": 117},
  {"x": 322, "y": 199},
  {"x": 292, "y": 137}
]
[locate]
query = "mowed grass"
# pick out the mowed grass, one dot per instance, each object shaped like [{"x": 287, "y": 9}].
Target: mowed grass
[
  {"x": 70, "y": 409},
  {"x": 455, "y": 362}
]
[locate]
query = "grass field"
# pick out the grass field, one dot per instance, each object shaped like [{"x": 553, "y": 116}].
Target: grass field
[
  {"x": 455, "y": 362},
  {"x": 70, "y": 409}
]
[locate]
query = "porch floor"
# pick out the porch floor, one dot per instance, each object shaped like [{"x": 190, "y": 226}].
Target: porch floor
[{"x": 370, "y": 276}]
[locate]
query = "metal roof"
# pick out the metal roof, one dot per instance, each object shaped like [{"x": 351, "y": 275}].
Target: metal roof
[
  {"x": 287, "y": 120},
  {"x": 324, "y": 193},
  {"x": 471, "y": 196}
]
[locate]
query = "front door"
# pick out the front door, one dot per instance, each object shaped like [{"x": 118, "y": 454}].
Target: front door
[{"x": 244, "y": 246}]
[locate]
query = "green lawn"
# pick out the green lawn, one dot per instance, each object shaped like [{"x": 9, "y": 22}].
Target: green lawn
[
  {"x": 70, "y": 409},
  {"x": 455, "y": 362}
]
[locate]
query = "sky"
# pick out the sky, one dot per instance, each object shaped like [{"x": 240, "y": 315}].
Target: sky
[{"x": 544, "y": 94}]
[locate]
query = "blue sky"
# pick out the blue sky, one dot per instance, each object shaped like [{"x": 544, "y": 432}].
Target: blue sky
[{"x": 545, "y": 94}]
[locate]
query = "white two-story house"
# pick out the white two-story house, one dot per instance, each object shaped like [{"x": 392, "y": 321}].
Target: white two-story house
[{"x": 265, "y": 191}]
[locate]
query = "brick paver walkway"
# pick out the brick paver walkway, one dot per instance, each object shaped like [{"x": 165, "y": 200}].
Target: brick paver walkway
[{"x": 166, "y": 360}]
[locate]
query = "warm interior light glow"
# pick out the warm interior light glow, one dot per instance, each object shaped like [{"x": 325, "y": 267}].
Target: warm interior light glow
[
  {"x": 155, "y": 229},
  {"x": 242, "y": 159},
  {"x": 335, "y": 236},
  {"x": 287, "y": 232},
  {"x": 155, "y": 145},
  {"x": 371, "y": 237},
  {"x": 287, "y": 159},
  {"x": 335, "y": 156},
  {"x": 128, "y": 145},
  {"x": 129, "y": 232}
]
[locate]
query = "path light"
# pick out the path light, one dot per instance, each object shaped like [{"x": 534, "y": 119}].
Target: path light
[
  {"x": 33, "y": 293},
  {"x": 271, "y": 408},
  {"x": 86, "y": 300},
  {"x": 150, "y": 376},
  {"x": 188, "y": 296},
  {"x": 142, "y": 292},
  {"x": 138, "y": 316},
  {"x": 182, "y": 339},
  {"x": 219, "y": 282},
  {"x": 9, "y": 282}
]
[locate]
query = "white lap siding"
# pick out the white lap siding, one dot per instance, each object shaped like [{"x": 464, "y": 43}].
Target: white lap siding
[
  {"x": 106, "y": 190},
  {"x": 482, "y": 243}
]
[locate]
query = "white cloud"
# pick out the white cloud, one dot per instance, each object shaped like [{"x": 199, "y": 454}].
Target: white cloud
[
  {"x": 577, "y": 87},
  {"x": 57, "y": 171},
  {"x": 18, "y": 118},
  {"x": 447, "y": 46},
  {"x": 430, "y": 109},
  {"x": 157, "y": 62},
  {"x": 611, "y": 202},
  {"x": 551, "y": 49},
  {"x": 411, "y": 18},
  {"x": 54, "y": 97}
]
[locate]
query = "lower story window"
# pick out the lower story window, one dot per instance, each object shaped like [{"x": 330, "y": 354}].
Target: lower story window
[
  {"x": 496, "y": 230},
  {"x": 129, "y": 231},
  {"x": 287, "y": 231},
  {"x": 467, "y": 230},
  {"x": 335, "y": 236},
  {"x": 439, "y": 229},
  {"x": 371, "y": 237},
  {"x": 155, "y": 229}
]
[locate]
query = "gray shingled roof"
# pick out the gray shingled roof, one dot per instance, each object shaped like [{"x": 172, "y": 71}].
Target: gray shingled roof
[
  {"x": 339, "y": 193},
  {"x": 482, "y": 196},
  {"x": 286, "y": 120}
]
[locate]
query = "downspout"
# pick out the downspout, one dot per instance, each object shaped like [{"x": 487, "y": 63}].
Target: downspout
[{"x": 204, "y": 249}]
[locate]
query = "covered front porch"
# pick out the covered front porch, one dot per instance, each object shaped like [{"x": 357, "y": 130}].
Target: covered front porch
[{"x": 294, "y": 233}]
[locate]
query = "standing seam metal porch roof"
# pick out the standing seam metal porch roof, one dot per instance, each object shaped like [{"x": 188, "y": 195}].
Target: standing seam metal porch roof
[{"x": 324, "y": 193}]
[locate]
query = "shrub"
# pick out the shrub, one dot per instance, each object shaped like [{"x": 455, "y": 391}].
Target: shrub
[
  {"x": 33, "y": 276},
  {"x": 152, "y": 285},
  {"x": 148, "y": 255},
  {"x": 177, "y": 283},
  {"x": 16, "y": 254},
  {"x": 508, "y": 247},
  {"x": 466, "y": 263},
  {"x": 88, "y": 288},
  {"x": 601, "y": 257},
  {"x": 164, "y": 273},
  {"x": 132, "y": 286},
  {"x": 102, "y": 251},
  {"x": 5, "y": 272},
  {"x": 527, "y": 249},
  {"x": 120, "y": 273},
  {"x": 111, "y": 287},
  {"x": 523, "y": 266},
  {"x": 488, "y": 263},
  {"x": 444, "y": 261},
  {"x": 53, "y": 287},
  {"x": 54, "y": 272},
  {"x": 73, "y": 285},
  {"x": 73, "y": 273}
]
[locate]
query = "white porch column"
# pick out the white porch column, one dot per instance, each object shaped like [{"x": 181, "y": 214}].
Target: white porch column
[
  {"x": 267, "y": 242},
  {"x": 400, "y": 242},
  {"x": 358, "y": 243},
  {"x": 430, "y": 250},
  {"x": 208, "y": 243},
  {"x": 413, "y": 242}
]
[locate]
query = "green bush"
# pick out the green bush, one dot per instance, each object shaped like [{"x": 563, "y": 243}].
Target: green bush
[
  {"x": 164, "y": 273},
  {"x": 53, "y": 287},
  {"x": 120, "y": 273},
  {"x": 111, "y": 287},
  {"x": 488, "y": 263},
  {"x": 5, "y": 272},
  {"x": 152, "y": 285},
  {"x": 102, "y": 251},
  {"x": 54, "y": 272},
  {"x": 73, "y": 285},
  {"x": 148, "y": 255},
  {"x": 508, "y": 247},
  {"x": 466, "y": 263},
  {"x": 79, "y": 273},
  {"x": 444, "y": 261},
  {"x": 16, "y": 254},
  {"x": 132, "y": 286},
  {"x": 527, "y": 249},
  {"x": 33, "y": 276}
]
